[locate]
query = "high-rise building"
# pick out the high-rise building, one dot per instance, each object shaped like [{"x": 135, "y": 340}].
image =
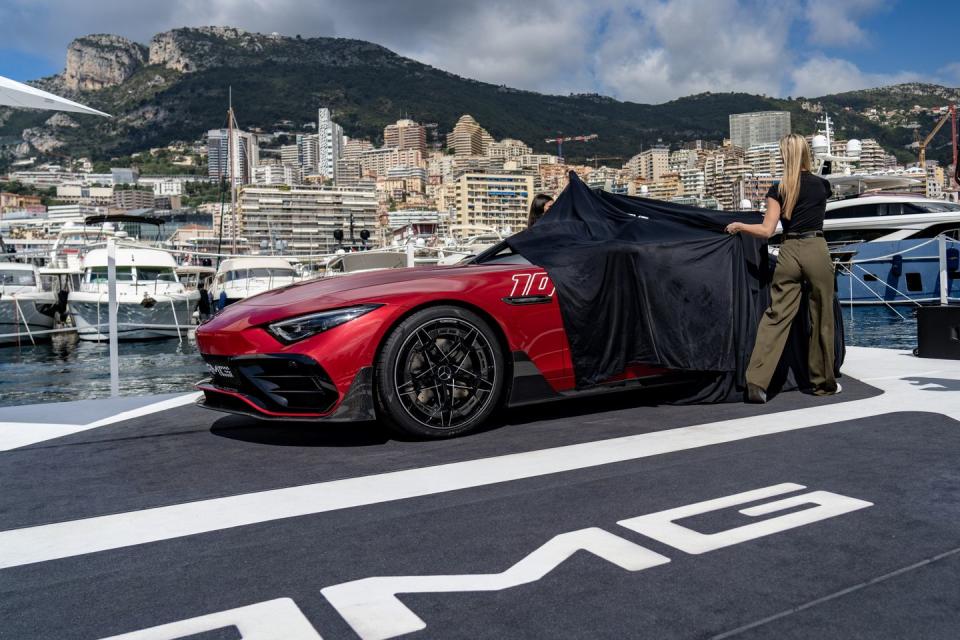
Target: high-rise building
[
  {"x": 246, "y": 155},
  {"x": 329, "y": 144},
  {"x": 406, "y": 134},
  {"x": 508, "y": 148},
  {"x": 129, "y": 199},
  {"x": 376, "y": 162},
  {"x": 304, "y": 218},
  {"x": 759, "y": 127},
  {"x": 872, "y": 156},
  {"x": 692, "y": 182},
  {"x": 649, "y": 164},
  {"x": 302, "y": 154},
  {"x": 270, "y": 174},
  {"x": 501, "y": 201},
  {"x": 468, "y": 138},
  {"x": 765, "y": 158}
]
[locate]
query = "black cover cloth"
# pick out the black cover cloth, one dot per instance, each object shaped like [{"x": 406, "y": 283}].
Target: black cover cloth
[{"x": 644, "y": 281}]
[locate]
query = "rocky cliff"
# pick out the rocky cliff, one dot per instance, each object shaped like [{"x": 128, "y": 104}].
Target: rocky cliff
[
  {"x": 178, "y": 88},
  {"x": 98, "y": 61}
]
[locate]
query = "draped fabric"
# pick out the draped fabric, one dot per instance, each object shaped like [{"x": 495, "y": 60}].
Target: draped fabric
[{"x": 643, "y": 281}]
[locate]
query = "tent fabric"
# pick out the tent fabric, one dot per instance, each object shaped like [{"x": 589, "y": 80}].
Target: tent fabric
[
  {"x": 650, "y": 282},
  {"x": 17, "y": 94}
]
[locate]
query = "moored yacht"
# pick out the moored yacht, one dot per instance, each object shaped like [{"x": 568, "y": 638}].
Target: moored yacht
[
  {"x": 239, "y": 278},
  {"x": 151, "y": 301},
  {"x": 25, "y": 306},
  {"x": 895, "y": 253}
]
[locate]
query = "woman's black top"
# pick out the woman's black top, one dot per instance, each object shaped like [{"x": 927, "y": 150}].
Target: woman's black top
[{"x": 811, "y": 204}]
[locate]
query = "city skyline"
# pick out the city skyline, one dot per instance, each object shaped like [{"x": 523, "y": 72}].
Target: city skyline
[{"x": 640, "y": 51}]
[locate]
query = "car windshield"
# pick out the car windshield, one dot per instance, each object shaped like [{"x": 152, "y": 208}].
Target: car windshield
[{"x": 17, "y": 277}]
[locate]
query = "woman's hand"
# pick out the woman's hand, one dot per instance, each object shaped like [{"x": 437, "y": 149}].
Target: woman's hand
[{"x": 734, "y": 228}]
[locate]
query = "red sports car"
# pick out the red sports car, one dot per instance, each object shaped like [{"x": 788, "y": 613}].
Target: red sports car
[{"x": 432, "y": 351}]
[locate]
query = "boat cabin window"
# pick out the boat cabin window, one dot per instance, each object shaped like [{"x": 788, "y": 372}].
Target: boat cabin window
[
  {"x": 17, "y": 278},
  {"x": 260, "y": 272},
  {"x": 933, "y": 207},
  {"x": 163, "y": 274},
  {"x": 870, "y": 210},
  {"x": 914, "y": 282},
  {"x": 97, "y": 275}
]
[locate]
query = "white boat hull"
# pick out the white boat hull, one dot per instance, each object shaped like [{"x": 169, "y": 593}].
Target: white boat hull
[
  {"x": 25, "y": 313},
  {"x": 170, "y": 316}
]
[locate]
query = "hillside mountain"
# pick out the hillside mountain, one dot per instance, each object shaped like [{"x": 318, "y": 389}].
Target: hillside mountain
[{"x": 177, "y": 88}]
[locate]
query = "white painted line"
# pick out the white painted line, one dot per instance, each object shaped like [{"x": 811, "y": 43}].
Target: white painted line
[
  {"x": 77, "y": 537},
  {"x": 21, "y": 434}
]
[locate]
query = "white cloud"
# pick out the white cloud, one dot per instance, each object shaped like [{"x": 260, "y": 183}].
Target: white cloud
[
  {"x": 673, "y": 49},
  {"x": 642, "y": 50},
  {"x": 950, "y": 73},
  {"x": 834, "y": 22},
  {"x": 821, "y": 75}
]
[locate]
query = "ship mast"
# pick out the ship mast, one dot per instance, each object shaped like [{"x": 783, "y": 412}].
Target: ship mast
[{"x": 233, "y": 187}]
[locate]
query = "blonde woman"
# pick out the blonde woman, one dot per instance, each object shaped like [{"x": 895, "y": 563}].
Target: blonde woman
[{"x": 798, "y": 202}]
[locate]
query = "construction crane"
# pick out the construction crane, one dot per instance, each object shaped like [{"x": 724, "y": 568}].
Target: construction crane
[
  {"x": 561, "y": 139},
  {"x": 951, "y": 114},
  {"x": 598, "y": 158}
]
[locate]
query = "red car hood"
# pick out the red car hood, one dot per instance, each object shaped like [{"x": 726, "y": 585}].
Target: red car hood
[{"x": 338, "y": 288}]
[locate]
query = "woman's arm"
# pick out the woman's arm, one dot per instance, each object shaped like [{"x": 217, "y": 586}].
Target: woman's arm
[{"x": 763, "y": 230}]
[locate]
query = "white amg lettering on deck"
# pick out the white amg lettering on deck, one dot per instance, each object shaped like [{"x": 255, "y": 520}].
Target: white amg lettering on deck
[
  {"x": 279, "y": 619},
  {"x": 371, "y": 607}
]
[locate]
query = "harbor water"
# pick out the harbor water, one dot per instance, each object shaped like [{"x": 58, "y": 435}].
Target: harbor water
[{"x": 71, "y": 369}]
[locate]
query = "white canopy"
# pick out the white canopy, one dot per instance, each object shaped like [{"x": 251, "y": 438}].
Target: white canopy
[{"x": 17, "y": 94}]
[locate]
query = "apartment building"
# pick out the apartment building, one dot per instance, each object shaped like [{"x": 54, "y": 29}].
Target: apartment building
[
  {"x": 245, "y": 155},
  {"x": 508, "y": 148},
  {"x": 304, "y": 218},
  {"x": 129, "y": 199},
  {"x": 330, "y": 144},
  {"x": 275, "y": 174},
  {"x": 377, "y": 162},
  {"x": 649, "y": 164},
  {"x": 765, "y": 158},
  {"x": 758, "y": 127},
  {"x": 501, "y": 201},
  {"x": 468, "y": 138},
  {"x": 406, "y": 134}
]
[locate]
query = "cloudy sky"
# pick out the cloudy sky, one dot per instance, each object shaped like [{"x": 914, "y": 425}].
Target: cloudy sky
[{"x": 642, "y": 50}]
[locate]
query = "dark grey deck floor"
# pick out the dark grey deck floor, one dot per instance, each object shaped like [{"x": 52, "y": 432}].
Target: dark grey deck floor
[{"x": 813, "y": 581}]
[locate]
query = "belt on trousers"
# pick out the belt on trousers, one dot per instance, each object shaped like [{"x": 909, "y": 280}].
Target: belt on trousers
[{"x": 803, "y": 235}]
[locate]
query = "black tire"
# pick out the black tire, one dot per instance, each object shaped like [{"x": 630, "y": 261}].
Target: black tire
[{"x": 440, "y": 373}]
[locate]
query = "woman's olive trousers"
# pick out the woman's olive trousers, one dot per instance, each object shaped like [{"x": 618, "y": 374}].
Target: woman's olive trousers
[{"x": 800, "y": 259}]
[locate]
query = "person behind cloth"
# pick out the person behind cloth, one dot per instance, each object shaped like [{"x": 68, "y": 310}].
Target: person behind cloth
[
  {"x": 798, "y": 202},
  {"x": 538, "y": 208},
  {"x": 203, "y": 306}
]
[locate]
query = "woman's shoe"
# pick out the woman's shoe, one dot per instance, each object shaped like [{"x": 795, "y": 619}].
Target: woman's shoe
[
  {"x": 823, "y": 392},
  {"x": 755, "y": 394}
]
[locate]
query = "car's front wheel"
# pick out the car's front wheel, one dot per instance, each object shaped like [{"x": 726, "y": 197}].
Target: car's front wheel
[{"x": 440, "y": 373}]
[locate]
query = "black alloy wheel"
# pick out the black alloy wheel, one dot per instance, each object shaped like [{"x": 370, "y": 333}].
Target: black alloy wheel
[{"x": 440, "y": 373}]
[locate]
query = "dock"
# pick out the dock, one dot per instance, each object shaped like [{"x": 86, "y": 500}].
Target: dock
[{"x": 608, "y": 517}]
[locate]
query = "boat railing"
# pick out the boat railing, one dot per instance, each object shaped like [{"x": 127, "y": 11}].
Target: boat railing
[{"x": 847, "y": 266}]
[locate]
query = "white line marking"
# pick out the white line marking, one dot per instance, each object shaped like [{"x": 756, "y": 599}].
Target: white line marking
[
  {"x": 279, "y": 619},
  {"x": 66, "y": 539},
  {"x": 370, "y": 606},
  {"x": 20, "y": 434}
]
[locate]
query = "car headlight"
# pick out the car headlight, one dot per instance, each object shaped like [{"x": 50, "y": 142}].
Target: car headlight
[{"x": 295, "y": 329}]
